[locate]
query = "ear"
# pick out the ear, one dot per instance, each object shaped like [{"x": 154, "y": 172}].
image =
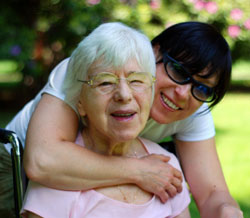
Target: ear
[
  {"x": 156, "y": 49},
  {"x": 80, "y": 108}
]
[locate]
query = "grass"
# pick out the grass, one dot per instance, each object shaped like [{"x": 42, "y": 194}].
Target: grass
[
  {"x": 7, "y": 66},
  {"x": 232, "y": 121},
  {"x": 241, "y": 74},
  {"x": 9, "y": 72},
  {"x": 240, "y": 70}
]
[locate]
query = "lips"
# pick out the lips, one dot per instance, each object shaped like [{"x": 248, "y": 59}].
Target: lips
[
  {"x": 121, "y": 115},
  {"x": 169, "y": 103}
]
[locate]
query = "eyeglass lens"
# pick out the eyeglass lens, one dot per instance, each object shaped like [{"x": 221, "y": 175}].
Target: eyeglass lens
[
  {"x": 107, "y": 82},
  {"x": 178, "y": 74}
]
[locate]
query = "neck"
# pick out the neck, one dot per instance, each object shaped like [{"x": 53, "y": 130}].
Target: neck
[{"x": 106, "y": 146}]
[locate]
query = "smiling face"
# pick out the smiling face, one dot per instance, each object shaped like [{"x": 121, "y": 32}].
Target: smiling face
[
  {"x": 173, "y": 101},
  {"x": 117, "y": 116}
]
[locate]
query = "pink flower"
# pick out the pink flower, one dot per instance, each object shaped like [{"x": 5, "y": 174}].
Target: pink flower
[
  {"x": 236, "y": 14},
  {"x": 199, "y": 5},
  {"x": 155, "y": 4},
  {"x": 211, "y": 7},
  {"x": 93, "y": 2},
  {"x": 233, "y": 31},
  {"x": 247, "y": 24}
]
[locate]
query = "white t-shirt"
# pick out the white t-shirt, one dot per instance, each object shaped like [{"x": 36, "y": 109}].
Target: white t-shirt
[{"x": 194, "y": 128}]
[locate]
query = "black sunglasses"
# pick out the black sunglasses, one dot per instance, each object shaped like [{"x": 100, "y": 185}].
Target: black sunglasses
[{"x": 177, "y": 73}]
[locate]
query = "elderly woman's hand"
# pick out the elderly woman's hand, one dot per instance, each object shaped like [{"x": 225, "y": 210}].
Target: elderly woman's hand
[{"x": 156, "y": 176}]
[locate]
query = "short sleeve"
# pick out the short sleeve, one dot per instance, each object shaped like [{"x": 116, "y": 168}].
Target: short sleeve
[
  {"x": 47, "y": 202},
  {"x": 55, "y": 83},
  {"x": 19, "y": 123},
  {"x": 197, "y": 127},
  {"x": 55, "y": 80}
]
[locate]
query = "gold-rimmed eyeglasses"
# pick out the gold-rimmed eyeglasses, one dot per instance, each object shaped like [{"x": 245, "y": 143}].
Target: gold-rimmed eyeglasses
[{"x": 107, "y": 82}]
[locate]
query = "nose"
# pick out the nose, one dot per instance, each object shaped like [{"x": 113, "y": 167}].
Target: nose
[
  {"x": 123, "y": 93},
  {"x": 183, "y": 91}
]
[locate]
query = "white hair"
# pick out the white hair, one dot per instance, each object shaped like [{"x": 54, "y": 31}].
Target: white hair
[{"x": 114, "y": 44}]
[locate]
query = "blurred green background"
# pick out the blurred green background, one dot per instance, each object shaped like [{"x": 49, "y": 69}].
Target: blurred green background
[{"x": 37, "y": 34}]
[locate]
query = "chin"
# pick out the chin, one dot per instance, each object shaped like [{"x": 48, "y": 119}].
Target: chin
[{"x": 161, "y": 119}]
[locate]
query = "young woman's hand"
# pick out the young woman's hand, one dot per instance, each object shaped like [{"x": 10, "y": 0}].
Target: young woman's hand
[
  {"x": 156, "y": 175},
  {"x": 229, "y": 211}
]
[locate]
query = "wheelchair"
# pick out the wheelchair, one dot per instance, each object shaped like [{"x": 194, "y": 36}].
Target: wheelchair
[{"x": 19, "y": 178}]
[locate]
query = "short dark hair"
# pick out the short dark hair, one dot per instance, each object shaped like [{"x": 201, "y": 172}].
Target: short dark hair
[{"x": 199, "y": 46}]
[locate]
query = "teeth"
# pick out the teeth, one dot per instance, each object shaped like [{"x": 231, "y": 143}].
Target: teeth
[
  {"x": 122, "y": 115},
  {"x": 169, "y": 103}
]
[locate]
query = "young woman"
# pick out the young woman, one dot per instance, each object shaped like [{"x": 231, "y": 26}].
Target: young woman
[{"x": 193, "y": 66}]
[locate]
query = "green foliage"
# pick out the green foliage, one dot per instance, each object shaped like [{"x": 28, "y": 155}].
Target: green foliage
[{"x": 38, "y": 34}]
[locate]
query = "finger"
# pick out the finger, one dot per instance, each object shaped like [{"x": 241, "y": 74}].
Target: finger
[
  {"x": 177, "y": 183},
  {"x": 163, "y": 195},
  {"x": 161, "y": 157},
  {"x": 171, "y": 190},
  {"x": 178, "y": 174}
]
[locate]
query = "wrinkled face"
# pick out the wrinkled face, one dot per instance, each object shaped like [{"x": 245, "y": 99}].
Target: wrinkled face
[
  {"x": 173, "y": 101},
  {"x": 119, "y": 115}
]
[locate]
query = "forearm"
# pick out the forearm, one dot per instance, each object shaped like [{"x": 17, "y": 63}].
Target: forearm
[
  {"x": 204, "y": 175},
  {"x": 220, "y": 204},
  {"x": 71, "y": 167}
]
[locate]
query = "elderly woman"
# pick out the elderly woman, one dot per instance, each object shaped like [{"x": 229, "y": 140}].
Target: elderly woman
[{"x": 109, "y": 83}]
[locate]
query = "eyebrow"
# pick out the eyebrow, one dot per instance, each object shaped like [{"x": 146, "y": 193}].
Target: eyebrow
[{"x": 206, "y": 81}]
